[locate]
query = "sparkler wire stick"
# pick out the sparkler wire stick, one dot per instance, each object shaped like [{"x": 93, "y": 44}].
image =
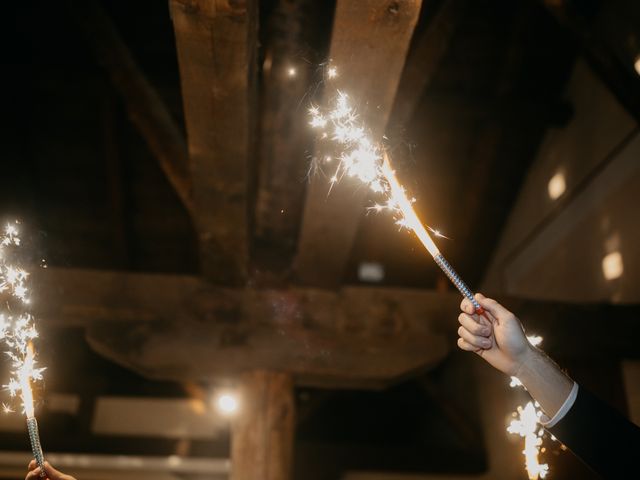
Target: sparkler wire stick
[
  {"x": 24, "y": 377},
  {"x": 411, "y": 220},
  {"x": 36, "y": 447},
  {"x": 458, "y": 282}
]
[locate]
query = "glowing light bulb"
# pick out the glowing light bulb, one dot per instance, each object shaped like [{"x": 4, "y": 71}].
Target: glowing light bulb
[
  {"x": 612, "y": 266},
  {"x": 557, "y": 186},
  {"x": 227, "y": 404}
]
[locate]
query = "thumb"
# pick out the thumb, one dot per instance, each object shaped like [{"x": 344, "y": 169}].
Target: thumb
[
  {"x": 491, "y": 306},
  {"x": 52, "y": 473}
]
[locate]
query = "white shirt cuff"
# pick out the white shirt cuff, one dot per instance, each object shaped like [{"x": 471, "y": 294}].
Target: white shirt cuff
[{"x": 566, "y": 406}]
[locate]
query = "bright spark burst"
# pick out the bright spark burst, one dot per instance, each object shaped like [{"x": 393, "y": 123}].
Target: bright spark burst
[
  {"x": 332, "y": 72},
  {"x": 534, "y": 340},
  {"x": 17, "y": 329},
  {"x": 437, "y": 233},
  {"x": 527, "y": 425},
  {"x": 365, "y": 160}
]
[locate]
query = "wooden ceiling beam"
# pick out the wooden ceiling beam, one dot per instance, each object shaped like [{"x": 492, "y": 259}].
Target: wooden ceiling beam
[
  {"x": 216, "y": 42},
  {"x": 369, "y": 46},
  {"x": 182, "y": 328},
  {"x": 144, "y": 106}
]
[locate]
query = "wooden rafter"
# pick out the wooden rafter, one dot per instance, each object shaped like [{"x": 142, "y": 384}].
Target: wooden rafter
[
  {"x": 353, "y": 337},
  {"x": 369, "y": 47},
  {"x": 216, "y": 42},
  {"x": 183, "y": 328}
]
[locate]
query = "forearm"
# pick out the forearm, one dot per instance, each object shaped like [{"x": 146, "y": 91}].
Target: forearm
[{"x": 545, "y": 381}]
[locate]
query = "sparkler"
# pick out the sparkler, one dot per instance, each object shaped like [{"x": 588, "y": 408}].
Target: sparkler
[
  {"x": 365, "y": 160},
  {"x": 527, "y": 426},
  {"x": 368, "y": 161},
  {"x": 18, "y": 332}
]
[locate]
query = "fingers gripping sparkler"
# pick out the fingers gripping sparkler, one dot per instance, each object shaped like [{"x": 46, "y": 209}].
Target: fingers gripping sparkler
[
  {"x": 17, "y": 331},
  {"x": 367, "y": 161}
]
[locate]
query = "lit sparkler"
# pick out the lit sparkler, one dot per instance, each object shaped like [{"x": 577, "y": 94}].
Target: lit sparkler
[
  {"x": 366, "y": 160},
  {"x": 18, "y": 332},
  {"x": 527, "y": 425}
]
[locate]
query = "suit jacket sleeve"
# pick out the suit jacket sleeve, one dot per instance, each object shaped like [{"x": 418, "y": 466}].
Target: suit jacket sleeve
[{"x": 600, "y": 436}]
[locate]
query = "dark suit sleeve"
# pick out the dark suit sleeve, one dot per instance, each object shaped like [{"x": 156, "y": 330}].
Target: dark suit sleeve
[{"x": 600, "y": 436}]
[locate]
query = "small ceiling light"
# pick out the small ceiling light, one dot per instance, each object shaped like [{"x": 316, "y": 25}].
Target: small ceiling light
[
  {"x": 557, "y": 186},
  {"x": 291, "y": 71},
  {"x": 227, "y": 404},
  {"x": 372, "y": 272},
  {"x": 612, "y": 266}
]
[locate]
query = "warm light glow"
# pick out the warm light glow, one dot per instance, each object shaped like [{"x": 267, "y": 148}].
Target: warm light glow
[
  {"x": 227, "y": 404},
  {"x": 534, "y": 340},
  {"x": 371, "y": 272},
  {"x": 557, "y": 186},
  {"x": 363, "y": 159},
  {"x": 526, "y": 425},
  {"x": 636, "y": 65},
  {"x": 612, "y": 266},
  {"x": 332, "y": 72},
  {"x": 292, "y": 72},
  {"x": 24, "y": 378}
]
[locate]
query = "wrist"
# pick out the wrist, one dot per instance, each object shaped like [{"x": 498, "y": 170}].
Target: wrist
[{"x": 524, "y": 360}]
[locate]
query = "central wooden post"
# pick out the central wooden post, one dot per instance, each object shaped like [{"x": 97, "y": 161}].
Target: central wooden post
[{"x": 262, "y": 433}]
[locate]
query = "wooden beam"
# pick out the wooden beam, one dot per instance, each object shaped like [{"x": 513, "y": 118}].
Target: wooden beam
[
  {"x": 217, "y": 42},
  {"x": 181, "y": 328},
  {"x": 369, "y": 47},
  {"x": 586, "y": 27},
  {"x": 144, "y": 106},
  {"x": 262, "y": 436},
  {"x": 425, "y": 57}
]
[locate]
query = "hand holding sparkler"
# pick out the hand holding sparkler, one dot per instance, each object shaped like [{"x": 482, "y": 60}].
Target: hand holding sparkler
[
  {"x": 497, "y": 336},
  {"x": 506, "y": 347},
  {"x": 51, "y": 473}
]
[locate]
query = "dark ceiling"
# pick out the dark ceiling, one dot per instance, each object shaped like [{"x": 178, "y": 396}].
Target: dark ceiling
[{"x": 91, "y": 194}]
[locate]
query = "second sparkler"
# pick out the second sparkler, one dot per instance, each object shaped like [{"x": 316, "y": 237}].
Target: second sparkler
[{"x": 367, "y": 161}]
